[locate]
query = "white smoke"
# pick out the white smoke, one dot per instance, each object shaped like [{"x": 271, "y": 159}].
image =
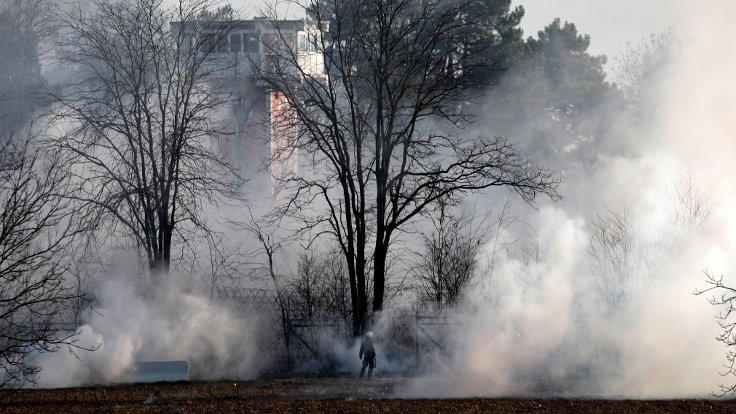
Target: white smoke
[
  {"x": 542, "y": 326},
  {"x": 534, "y": 325},
  {"x": 165, "y": 318}
]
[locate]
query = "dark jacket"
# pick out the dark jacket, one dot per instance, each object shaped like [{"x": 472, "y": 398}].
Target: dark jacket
[{"x": 366, "y": 349}]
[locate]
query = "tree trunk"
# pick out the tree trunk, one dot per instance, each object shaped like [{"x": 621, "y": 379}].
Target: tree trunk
[
  {"x": 381, "y": 250},
  {"x": 379, "y": 274},
  {"x": 379, "y": 255},
  {"x": 362, "y": 311},
  {"x": 161, "y": 260},
  {"x": 354, "y": 298},
  {"x": 168, "y": 232}
]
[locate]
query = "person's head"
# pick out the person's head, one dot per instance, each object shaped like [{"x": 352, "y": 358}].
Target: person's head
[{"x": 369, "y": 335}]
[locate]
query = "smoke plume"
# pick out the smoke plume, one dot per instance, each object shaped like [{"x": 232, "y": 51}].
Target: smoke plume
[
  {"x": 591, "y": 296},
  {"x": 165, "y": 318},
  {"x": 605, "y": 305}
]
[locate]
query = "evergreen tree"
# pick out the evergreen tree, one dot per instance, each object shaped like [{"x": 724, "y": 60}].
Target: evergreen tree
[
  {"x": 555, "y": 98},
  {"x": 20, "y": 73}
]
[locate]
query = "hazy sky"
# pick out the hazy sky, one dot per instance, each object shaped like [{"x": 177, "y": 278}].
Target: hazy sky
[{"x": 610, "y": 23}]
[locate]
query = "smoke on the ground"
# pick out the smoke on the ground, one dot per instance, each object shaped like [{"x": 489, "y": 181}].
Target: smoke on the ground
[
  {"x": 604, "y": 305},
  {"x": 575, "y": 312},
  {"x": 166, "y": 317}
]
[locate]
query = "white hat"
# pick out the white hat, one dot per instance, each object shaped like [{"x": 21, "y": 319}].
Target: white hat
[{"x": 369, "y": 334}]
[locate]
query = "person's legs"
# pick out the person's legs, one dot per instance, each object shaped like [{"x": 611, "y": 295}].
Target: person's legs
[
  {"x": 371, "y": 365},
  {"x": 362, "y": 370}
]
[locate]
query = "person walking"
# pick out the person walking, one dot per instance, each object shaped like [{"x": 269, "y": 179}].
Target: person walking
[{"x": 367, "y": 354}]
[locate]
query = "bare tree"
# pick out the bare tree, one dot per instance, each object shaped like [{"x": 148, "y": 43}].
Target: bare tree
[
  {"x": 692, "y": 205},
  {"x": 613, "y": 252},
  {"x": 305, "y": 288},
  {"x": 640, "y": 66},
  {"x": 723, "y": 297},
  {"x": 137, "y": 122},
  {"x": 381, "y": 124},
  {"x": 39, "y": 296},
  {"x": 448, "y": 259},
  {"x": 321, "y": 288}
]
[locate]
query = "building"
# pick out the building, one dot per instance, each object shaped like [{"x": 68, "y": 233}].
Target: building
[{"x": 261, "y": 121}]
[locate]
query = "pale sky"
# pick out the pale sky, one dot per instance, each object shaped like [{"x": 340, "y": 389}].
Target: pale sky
[{"x": 610, "y": 23}]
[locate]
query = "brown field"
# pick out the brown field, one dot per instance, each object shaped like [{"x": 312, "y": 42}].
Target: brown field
[{"x": 311, "y": 394}]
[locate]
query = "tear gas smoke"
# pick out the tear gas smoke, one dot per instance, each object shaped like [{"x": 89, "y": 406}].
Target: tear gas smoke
[
  {"x": 565, "y": 320},
  {"x": 167, "y": 320},
  {"x": 543, "y": 325}
]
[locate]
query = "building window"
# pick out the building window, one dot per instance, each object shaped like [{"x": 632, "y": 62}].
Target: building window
[
  {"x": 208, "y": 42},
  {"x": 307, "y": 43},
  {"x": 222, "y": 45},
  {"x": 251, "y": 43},
  {"x": 235, "y": 40}
]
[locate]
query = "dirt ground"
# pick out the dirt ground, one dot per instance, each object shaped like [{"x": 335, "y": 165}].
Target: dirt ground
[{"x": 311, "y": 394}]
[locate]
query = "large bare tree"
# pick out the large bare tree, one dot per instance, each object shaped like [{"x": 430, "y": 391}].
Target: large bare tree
[
  {"x": 39, "y": 296},
  {"x": 381, "y": 126},
  {"x": 138, "y": 119}
]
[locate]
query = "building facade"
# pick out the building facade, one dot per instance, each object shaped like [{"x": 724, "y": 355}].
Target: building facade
[{"x": 262, "y": 124}]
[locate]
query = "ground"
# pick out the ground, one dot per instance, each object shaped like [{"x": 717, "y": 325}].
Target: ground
[{"x": 311, "y": 394}]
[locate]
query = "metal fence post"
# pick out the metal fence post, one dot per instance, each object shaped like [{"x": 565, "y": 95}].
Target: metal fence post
[
  {"x": 416, "y": 340},
  {"x": 289, "y": 356}
]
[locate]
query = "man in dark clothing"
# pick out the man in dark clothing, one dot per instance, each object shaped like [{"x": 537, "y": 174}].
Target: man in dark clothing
[{"x": 368, "y": 354}]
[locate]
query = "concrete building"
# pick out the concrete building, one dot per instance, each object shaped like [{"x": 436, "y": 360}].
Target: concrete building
[{"x": 260, "y": 121}]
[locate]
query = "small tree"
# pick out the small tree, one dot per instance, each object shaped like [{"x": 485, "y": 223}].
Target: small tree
[
  {"x": 321, "y": 288},
  {"x": 38, "y": 225},
  {"x": 724, "y": 298},
  {"x": 306, "y": 295},
  {"x": 137, "y": 121},
  {"x": 448, "y": 259},
  {"x": 641, "y": 68},
  {"x": 613, "y": 252}
]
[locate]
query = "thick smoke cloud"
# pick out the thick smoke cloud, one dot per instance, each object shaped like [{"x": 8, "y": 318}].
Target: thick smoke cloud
[
  {"x": 539, "y": 324},
  {"x": 165, "y": 319},
  {"x": 547, "y": 325}
]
